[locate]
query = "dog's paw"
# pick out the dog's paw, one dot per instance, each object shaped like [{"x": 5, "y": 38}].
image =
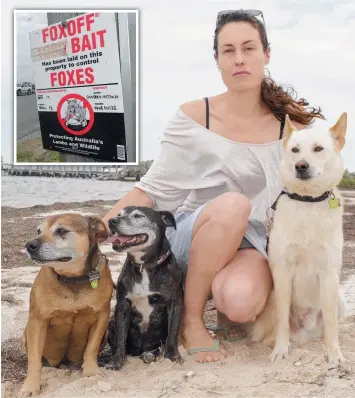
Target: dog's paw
[
  {"x": 90, "y": 369},
  {"x": 114, "y": 365},
  {"x": 269, "y": 341},
  {"x": 280, "y": 351},
  {"x": 29, "y": 390},
  {"x": 334, "y": 356},
  {"x": 174, "y": 356}
]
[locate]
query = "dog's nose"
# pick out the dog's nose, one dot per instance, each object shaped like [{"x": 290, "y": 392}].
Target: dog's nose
[
  {"x": 112, "y": 222},
  {"x": 302, "y": 165},
  {"x": 32, "y": 246}
]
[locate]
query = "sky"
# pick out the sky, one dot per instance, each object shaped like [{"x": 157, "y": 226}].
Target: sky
[{"x": 311, "y": 49}]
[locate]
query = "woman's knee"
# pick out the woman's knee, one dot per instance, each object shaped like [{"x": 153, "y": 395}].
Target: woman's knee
[
  {"x": 239, "y": 302},
  {"x": 231, "y": 205},
  {"x": 229, "y": 211},
  {"x": 241, "y": 297}
]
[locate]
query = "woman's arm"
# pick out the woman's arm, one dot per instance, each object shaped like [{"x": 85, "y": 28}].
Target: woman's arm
[{"x": 180, "y": 168}]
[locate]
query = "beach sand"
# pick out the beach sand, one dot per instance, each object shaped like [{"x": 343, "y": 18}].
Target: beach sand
[{"x": 248, "y": 373}]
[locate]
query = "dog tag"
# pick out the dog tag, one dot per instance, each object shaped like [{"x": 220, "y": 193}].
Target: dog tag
[
  {"x": 148, "y": 357},
  {"x": 94, "y": 284},
  {"x": 334, "y": 203},
  {"x": 94, "y": 279}
]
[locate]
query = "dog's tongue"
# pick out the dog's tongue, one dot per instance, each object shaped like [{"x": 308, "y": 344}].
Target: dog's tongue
[{"x": 121, "y": 239}]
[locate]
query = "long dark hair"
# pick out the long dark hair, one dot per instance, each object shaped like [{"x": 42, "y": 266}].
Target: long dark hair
[{"x": 280, "y": 99}]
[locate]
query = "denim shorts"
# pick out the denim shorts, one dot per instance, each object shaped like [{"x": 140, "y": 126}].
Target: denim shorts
[{"x": 181, "y": 238}]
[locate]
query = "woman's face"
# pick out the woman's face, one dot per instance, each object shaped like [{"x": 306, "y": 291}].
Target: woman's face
[{"x": 241, "y": 57}]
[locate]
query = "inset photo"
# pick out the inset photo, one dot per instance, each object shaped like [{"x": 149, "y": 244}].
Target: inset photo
[{"x": 76, "y": 87}]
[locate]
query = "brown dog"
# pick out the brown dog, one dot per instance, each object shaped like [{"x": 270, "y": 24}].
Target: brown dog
[{"x": 70, "y": 297}]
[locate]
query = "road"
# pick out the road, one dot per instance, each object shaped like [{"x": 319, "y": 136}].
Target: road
[{"x": 27, "y": 115}]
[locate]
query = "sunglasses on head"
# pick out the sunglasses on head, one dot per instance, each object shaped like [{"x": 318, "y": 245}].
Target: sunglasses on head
[{"x": 252, "y": 13}]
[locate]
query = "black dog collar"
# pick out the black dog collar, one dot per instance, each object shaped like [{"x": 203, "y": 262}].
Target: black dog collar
[
  {"x": 92, "y": 277},
  {"x": 333, "y": 201},
  {"x": 306, "y": 198}
]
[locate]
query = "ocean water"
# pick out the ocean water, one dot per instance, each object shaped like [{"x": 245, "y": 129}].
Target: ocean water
[
  {"x": 17, "y": 191},
  {"x": 20, "y": 192}
]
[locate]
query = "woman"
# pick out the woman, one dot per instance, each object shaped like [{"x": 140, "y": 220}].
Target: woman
[{"x": 218, "y": 168}]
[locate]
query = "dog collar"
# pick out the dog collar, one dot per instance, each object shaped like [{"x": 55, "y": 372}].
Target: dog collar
[
  {"x": 310, "y": 199},
  {"x": 333, "y": 202},
  {"x": 160, "y": 260},
  {"x": 93, "y": 276},
  {"x": 163, "y": 257}
]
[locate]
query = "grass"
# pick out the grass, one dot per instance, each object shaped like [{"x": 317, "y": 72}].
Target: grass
[
  {"x": 31, "y": 151},
  {"x": 30, "y": 157},
  {"x": 26, "y": 156}
]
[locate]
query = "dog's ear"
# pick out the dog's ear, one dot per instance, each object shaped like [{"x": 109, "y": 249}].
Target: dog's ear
[
  {"x": 289, "y": 128},
  {"x": 168, "y": 219},
  {"x": 338, "y": 131},
  {"x": 97, "y": 229}
]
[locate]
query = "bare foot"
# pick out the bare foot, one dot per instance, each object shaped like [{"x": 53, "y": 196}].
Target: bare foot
[
  {"x": 235, "y": 332},
  {"x": 195, "y": 335}
]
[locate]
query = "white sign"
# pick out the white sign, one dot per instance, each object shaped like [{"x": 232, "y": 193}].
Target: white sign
[{"x": 82, "y": 55}]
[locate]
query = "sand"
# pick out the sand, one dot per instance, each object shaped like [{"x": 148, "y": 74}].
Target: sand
[{"x": 248, "y": 373}]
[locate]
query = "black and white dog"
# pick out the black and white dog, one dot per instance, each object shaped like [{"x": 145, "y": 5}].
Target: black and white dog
[{"x": 149, "y": 289}]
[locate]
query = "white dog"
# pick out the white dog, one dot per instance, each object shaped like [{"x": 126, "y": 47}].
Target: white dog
[{"x": 306, "y": 242}]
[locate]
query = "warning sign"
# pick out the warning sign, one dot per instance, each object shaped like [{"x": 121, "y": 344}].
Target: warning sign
[
  {"x": 79, "y": 88},
  {"x": 75, "y": 114}
]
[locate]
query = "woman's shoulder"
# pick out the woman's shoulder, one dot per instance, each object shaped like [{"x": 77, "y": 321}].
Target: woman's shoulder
[{"x": 195, "y": 110}]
